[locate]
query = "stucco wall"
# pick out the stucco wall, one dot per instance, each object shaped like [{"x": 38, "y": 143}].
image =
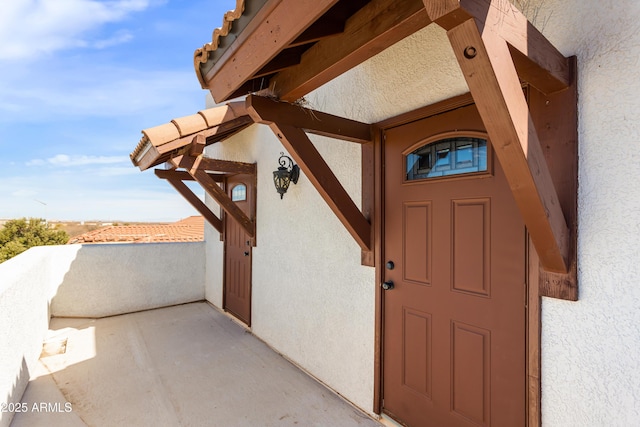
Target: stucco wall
[
  {"x": 591, "y": 362},
  {"x": 111, "y": 279},
  {"x": 84, "y": 281},
  {"x": 307, "y": 277},
  {"x": 25, "y": 292},
  {"x": 314, "y": 302}
]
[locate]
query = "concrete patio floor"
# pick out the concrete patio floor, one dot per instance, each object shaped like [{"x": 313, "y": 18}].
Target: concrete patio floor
[{"x": 187, "y": 365}]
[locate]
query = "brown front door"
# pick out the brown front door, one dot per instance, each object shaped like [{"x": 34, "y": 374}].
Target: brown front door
[
  {"x": 454, "y": 322},
  {"x": 237, "y": 245}
]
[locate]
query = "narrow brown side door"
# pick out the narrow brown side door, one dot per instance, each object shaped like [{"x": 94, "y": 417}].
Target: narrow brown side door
[
  {"x": 454, "y": 323},
  {"x": 237, "y": 249}
]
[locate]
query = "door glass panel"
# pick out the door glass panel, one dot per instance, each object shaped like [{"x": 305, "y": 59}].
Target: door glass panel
[
  {"x": 239, "y": 193},
  {"x": 450, "y": 156}
]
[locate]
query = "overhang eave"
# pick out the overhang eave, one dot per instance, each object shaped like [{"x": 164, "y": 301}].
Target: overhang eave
[{"x": 497, "y": 50}]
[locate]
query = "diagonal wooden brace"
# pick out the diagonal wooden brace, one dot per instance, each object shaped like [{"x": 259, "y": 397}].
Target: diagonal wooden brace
[
  {"x": 192, "y": 165},
  {"x": 298, "y": 144},
  {"x": 175, "y": 179},
  {"x": 538, "y": 62},
  {"x": 496, "y": 89}
]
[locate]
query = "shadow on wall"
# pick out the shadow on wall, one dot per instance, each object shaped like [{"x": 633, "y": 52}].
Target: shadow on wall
[
  {"x": 11, "y": 403},
  {"x": 27, "y": 286},
  {"x": 111, "y": 279},
  {"x": 85, "y": 281}
]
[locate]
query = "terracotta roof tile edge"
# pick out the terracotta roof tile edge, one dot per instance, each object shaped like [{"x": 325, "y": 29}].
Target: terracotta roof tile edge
[
  {"x": 181, "y": 127},
  {"x": 190, "y": 229},
  {"x": 201, "y": 55}
]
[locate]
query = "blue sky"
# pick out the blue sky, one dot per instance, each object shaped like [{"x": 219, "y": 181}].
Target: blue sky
[{"x": 79, "y": 80}]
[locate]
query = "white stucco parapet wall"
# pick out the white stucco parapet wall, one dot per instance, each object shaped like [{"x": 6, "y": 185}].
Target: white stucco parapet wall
[
  {"x": 84, "y": 281},
  {"x": 314, "y": 302},
  {"x": 111, "y": 279}
]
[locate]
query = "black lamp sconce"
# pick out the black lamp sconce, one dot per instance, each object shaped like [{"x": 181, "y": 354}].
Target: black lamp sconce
[{"x": 287, "y": 172}]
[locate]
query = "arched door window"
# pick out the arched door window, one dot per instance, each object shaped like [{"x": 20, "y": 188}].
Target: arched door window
[
  {"x": 446, "y": 157},
  {"x": 239, "y": 193}
]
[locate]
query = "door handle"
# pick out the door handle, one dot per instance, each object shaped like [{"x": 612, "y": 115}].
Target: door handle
[
  {"x": 388, "y": 285},
  {"x": 246, "y": 253}
]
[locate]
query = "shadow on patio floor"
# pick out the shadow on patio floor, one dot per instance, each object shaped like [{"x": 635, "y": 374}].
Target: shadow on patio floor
[{"x": 186, "y": 365}]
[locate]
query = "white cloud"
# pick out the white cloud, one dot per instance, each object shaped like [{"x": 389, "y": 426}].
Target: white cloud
[
  {"x": 107, "y": 92},
  {"x": 121, "y": 36},
  {"x": 29, "y": 28},
  {"x": 65, "y": 160}
]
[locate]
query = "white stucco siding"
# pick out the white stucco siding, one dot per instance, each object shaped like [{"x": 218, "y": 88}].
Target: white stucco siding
[
  {"x": 590, "y": 353},
  {"x": 419, "y": 70},
  {"x": 591, "y": 367},
  {"x": 111, "y": 279},
  {"x": 314, "y": 302},
  {"x": 311, "y": 299}
]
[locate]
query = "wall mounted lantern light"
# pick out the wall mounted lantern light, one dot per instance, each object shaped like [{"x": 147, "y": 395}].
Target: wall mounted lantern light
[{"x": 287, "y": 172}]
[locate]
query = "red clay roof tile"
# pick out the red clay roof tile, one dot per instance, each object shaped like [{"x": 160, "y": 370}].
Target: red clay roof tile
[{"x": 189, "y": 229}]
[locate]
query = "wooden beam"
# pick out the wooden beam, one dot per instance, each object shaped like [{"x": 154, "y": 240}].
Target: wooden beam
[
  {"x": 297, "y": 143},
  {"x": 496, "y": 90},
  {"x": 175, "y": 179},
  {"x": 266, "y": 111},
  {"x": 184, "y": 175},
  {"x": 556, "y": 119},
  {"x": 192, "y": 165},
  {"x": 446, "y": 13},
  {"x": 196, "y": 148},
  {"x": 285, "y": 59},
  {"x": 378, "y": 25},
  {"x": 319, "y": 30},
  {"x": 227, "y": 166},
  {"x": 145, "y": 159},
  {"x": 257, "y": 46},
  {"x": 538, "y": 62}
]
